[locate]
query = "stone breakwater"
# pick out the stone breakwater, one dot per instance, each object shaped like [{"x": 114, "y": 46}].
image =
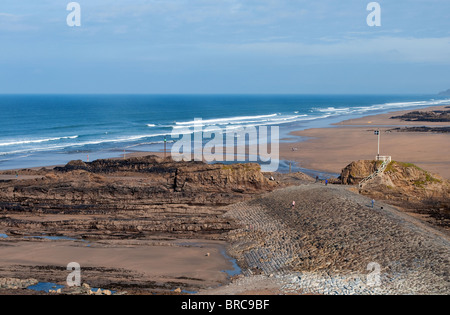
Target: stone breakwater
[{"x": 327, "y": 242}]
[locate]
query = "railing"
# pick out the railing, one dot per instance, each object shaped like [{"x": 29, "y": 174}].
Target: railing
[
  {"x": 383, "y": 158},
  {"x": 386, "y": 160}
]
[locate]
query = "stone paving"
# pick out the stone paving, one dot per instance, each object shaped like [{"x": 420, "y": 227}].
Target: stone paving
[{"x": 333, "y": 242}]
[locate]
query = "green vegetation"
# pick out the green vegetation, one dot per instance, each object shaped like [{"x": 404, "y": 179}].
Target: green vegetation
[
  {"x": 431, "y": 179},
  {"x": 243, "y": 166},
  {"x": 427, "y": 180},
  {"x": 394, "y": 167},
  {"x": 406, "y": 165},
  {"x": 419, "y": 183},
  {"x": 391, "y": 166},
  {"x": 227, "y": 167}
]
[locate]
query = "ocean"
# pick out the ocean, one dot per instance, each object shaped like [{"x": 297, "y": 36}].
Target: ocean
[{"x": 41, "y": 130}]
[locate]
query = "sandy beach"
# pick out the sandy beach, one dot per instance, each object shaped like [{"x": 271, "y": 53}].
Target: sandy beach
[{"x": 331, "y": 149}]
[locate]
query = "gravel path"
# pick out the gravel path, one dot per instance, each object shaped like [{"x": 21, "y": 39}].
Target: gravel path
[{"x": 333, "y": 242}]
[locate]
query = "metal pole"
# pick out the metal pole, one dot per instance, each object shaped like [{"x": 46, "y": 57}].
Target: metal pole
[
  {"x": 378, "y": 144},
  {"x": 165, "y": 140}
]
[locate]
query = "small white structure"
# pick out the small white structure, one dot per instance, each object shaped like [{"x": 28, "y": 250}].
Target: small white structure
[{"x": 383, "y": 158}]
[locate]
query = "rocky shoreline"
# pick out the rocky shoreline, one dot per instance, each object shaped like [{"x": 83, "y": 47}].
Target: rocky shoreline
[
  {"x": 422, "y": 129},
  {"x": 152, "y": 195},
  {"x": 145, "y": 204},
  {"x": 426, "y": 116},
  {"x": 155, "y": 226}
]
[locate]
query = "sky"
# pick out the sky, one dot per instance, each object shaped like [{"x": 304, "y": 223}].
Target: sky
[{"x": 224, "y": 47}]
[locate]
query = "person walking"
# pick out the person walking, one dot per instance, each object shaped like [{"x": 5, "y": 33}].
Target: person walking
[
  {"x": 326, "y": 182},
  {"x": 293, "y": 204},
  {"x": 373, "y": 203},
  {"x": 317, "y": 179}
]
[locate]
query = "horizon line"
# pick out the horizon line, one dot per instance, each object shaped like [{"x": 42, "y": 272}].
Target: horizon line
[{"x": 220, "y": 94}]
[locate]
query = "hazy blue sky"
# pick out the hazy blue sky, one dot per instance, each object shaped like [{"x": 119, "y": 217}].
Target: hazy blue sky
[{"x": 224, "y": 46}]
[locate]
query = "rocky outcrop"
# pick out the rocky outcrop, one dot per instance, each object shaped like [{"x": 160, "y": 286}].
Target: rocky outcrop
[
  {"x": 355, "y": 172},
  {"x": 151, "y": 179},
  {"x": 179, "y": 176},
  {"x": 429, "y": 116},
  {"x": 404, "y": 185},
  {"x": 149, "y": 194},
  {"x": 422, "y": 129},
  {"x": 407, "y": 182}
]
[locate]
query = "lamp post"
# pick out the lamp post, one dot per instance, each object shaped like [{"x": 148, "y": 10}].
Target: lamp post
[
  {"x": 165, "y": 141},
  {"x": 377, "y": 133}
]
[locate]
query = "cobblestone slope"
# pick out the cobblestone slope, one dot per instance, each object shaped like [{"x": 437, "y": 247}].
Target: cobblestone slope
[{"x": 333, "y": 242}]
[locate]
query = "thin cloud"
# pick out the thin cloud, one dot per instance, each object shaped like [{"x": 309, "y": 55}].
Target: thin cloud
[
  {"x": 15, "y": 23},
  {"x": 423, "y": 50},
  {"x": 6, "y": 14}
]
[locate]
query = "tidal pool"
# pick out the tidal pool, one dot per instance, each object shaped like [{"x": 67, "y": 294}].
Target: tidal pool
[
  {"x": 236, "y": 269},
  {"x": 45, "y": 286}
]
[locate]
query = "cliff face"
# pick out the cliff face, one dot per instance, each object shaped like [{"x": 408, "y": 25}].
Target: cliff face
[{"x": 404, "y": 185}]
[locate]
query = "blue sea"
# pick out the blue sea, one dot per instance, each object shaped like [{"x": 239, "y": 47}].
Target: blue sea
[{"x": 38, "y": 130}]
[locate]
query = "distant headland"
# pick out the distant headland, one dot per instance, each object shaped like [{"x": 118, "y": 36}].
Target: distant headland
[{"x": 445, "y": 93}]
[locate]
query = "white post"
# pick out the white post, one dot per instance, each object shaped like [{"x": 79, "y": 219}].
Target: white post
[{"x": 378, "y": 143}]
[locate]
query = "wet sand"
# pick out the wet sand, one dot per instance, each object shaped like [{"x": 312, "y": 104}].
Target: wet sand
[
  {"x": 331, "y": 149},
  {"x": 158, "y": 265}
]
